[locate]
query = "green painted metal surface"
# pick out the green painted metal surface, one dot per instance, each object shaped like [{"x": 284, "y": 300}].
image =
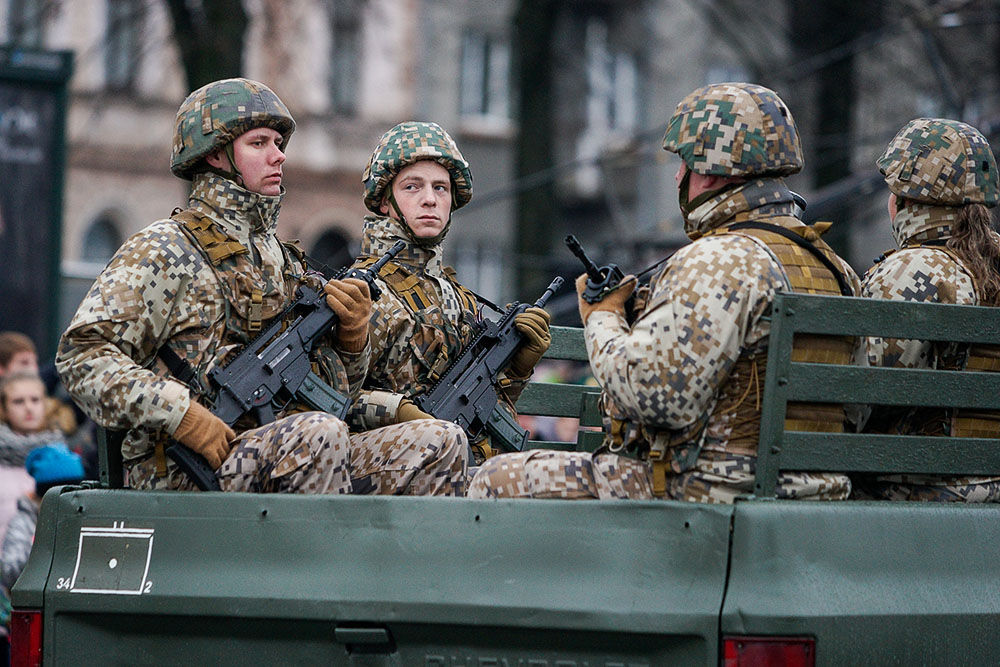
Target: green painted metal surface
[
  {"x": 874, "y": 583},
  {"x": 567, "y": 343},
  {"x": 897, "y": 319},
  {"x": 221, "y": 578},
  {"x": 788, "y": 381},
  {"x": 553, "y": 399}
]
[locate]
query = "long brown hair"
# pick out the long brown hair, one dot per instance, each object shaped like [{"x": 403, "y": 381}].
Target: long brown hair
[{"x": 973, "y": 239}]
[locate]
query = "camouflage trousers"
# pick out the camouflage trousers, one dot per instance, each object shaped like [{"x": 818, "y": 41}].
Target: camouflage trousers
[
  {"x": 544, "y": 473},
  {"x": 424, "y": 457},
  {"x": 720, "y": 478},
  {"x": 943, "y": 489},
  {"x": 313, "y": 452},
  {"x": 578, "y": 475}
]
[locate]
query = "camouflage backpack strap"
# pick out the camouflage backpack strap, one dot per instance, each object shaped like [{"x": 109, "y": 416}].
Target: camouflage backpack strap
[
  {"x": 217, "y": 246},
  {"x": 294, "y": 249},
  {"x": 470, "y": 300},
  {"x": 888, "y": 253},
  {"x": 405, "y": 285}
]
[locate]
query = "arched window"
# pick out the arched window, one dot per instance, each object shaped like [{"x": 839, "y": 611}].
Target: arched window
[
  {"x": 333, "y": 249},
  {"x": 101, "y": 240}
]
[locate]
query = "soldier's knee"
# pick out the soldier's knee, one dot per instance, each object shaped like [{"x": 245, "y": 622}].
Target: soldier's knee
[
  {"x": 322, "y": 430},
  {"x": 478, "y": 489},
  {"x": 453, "y": 440}
]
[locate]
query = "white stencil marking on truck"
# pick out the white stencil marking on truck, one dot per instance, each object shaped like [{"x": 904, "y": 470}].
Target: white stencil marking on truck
[{"x": 112, "y": 561}]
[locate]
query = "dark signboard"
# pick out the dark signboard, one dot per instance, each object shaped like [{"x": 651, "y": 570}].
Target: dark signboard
[{"x": 32, "y": 155}]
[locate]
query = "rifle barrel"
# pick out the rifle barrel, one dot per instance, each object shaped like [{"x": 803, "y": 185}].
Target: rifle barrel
[
  {"x": 593, "y": 272},
  {"x": 549, "y": 291},
  {"x": 390, "y": 253}
]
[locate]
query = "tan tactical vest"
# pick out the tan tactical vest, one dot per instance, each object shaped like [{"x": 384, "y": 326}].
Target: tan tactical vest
[
  {"x": 407, "y": 287},
  {"x": 247, "y": 301},
  {"x": 739, "y": 403},
  {"x": 250, "y": 308},
  {"x": 741, "y": 395}
]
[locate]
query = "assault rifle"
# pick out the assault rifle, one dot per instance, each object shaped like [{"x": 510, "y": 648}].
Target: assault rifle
[
  {"x": 274, "y": 368},
  {"x": 466, "y": 393}
]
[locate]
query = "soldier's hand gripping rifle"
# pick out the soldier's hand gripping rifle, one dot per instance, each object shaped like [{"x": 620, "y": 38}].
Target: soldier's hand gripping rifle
[
  {"x": 600, "y": 279},
  {"x": 275, "y": 368},
  {"x": 466, "y": 393}
]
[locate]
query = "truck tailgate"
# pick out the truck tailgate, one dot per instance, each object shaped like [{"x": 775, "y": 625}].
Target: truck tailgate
[
  {"x": 186, "y": 578},
  {"x": 874, "y": 582}
]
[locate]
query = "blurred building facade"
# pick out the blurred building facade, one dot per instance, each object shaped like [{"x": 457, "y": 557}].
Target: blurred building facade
[{"x": 349, "y": 69}]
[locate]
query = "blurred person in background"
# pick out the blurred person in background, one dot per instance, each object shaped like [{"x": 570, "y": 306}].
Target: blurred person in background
[
  {"x": 23, "y": 430},
  {"x": 18, "y": 353},
  {"x": 48, "y": 466}
]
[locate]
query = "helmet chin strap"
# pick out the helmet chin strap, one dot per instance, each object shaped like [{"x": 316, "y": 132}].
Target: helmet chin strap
[
  {"x": 687, "y": 206},
  {"x": 233, "y": 173},
  {"x": 424, "y": 242},
  {"x": 682, "y": 192}
]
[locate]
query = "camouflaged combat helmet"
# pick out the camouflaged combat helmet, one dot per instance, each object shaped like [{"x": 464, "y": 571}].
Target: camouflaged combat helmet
[
  {"x": 734, "y": 129},
  {"x": 940, "y": 161},
  {"x": 215, "y": 114},
  {"x": 410, "y": 142}
]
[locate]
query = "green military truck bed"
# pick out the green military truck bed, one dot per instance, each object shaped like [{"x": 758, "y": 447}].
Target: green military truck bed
[{"x": 135, "y": 578}]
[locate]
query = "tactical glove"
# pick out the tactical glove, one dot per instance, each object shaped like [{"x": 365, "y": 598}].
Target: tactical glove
[
  {"x": 613, "y": 301},
  {"x": 350, "y": 300},
  {"x": 534, "y": 326},
  {"x": 408, "y": 411},
  {"x": 205, "y": 433}
]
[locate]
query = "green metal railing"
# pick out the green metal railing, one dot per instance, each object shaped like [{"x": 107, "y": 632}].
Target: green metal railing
[{"x": 789, "y": 381}]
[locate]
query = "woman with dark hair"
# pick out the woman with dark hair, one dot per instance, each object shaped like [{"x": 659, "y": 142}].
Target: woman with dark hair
[{"x": 942, "y": 178}]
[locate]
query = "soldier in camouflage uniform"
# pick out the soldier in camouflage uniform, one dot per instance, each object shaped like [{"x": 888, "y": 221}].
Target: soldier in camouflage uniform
[
  {"x": 415, "y": 180},
  {"x": 942, "y": 177},
  {"x": 184, "y": 294},
  {"x": 682, "y": 382}
]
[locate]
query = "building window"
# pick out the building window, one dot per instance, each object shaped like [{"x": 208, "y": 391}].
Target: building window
[
  {"x": 344, "y": 56},
  {"x": 25, "y": 19},
  {"x": 485, "y": 76},
  {"x": 611, "y": 82},
  {"x": 610, "y": 105},
  {"x": 101, "y": 240},
  {"x": 122, "y": 52}
]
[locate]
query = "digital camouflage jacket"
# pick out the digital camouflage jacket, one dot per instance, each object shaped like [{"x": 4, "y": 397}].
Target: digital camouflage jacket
[
  {"x": 160, "y": 289},
  {"x": 923, "y": 269},
  {"x": 422, "y": 321},
  {"x": 665, "y": 376}
]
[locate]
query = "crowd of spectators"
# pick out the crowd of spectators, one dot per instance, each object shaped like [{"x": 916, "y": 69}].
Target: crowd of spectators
[{"x": 44, "y": 441}]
